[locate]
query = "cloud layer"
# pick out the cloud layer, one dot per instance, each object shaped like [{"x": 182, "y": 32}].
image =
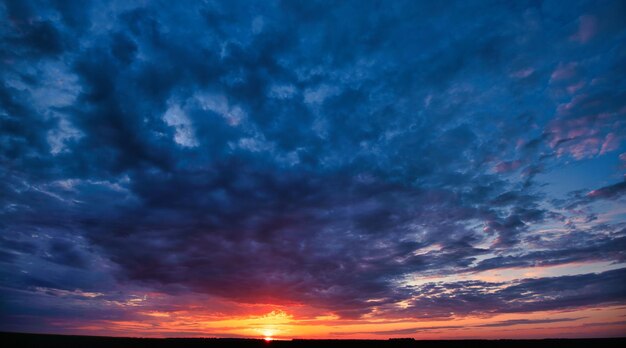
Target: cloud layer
[{"x": 363, "y": 159}]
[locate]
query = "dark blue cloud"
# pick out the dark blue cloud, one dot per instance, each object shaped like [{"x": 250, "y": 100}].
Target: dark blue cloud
[
  {"x": 527, "y": 322},
  {"x": 444, "y": 300},
  {"x": 311, "y": 152},
  {"x": 505, "y": 323}
]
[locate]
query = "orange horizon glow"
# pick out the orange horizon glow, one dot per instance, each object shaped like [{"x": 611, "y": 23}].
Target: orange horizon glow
[
  {"x": 281, "y": 325},
  {"x": 151, "y": 314}
]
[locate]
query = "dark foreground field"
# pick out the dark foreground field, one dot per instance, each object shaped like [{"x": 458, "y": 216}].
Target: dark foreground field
[{"x": 19, "y": 340}]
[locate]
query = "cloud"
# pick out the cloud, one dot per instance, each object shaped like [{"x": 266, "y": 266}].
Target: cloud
[
  {"x": 512, "y": 322},
  {"x": 184, "y": 136},
  {"x": 505, "y": 323},
  {"x": 581, "y": 198},
  {"x": 441, "y": 300},
  {"x": 414, "y": 330},
  {"x": 587, "y": 28},
  {"x": 608, "y": 192},
  {"x": 564, "y": 71}
]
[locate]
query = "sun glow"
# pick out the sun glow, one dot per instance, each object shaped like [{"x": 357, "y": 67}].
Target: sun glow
[{"x": 268, "y": 335}]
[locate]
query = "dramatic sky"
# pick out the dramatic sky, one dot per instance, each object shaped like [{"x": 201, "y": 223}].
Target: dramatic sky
[{"x": 339, "y": 169}]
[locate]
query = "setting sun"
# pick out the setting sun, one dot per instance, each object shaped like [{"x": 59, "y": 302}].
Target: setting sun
[{"x": 268, "y": 335}]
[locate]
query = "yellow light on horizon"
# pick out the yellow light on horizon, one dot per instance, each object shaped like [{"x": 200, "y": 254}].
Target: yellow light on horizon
[{"x": 268, "y": 335}]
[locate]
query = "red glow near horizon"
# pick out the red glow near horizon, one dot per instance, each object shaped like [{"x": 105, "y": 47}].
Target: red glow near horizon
[{"x": 280, "y": 324}]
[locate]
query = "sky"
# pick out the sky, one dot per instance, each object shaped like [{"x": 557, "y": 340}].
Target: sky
[{"x": 313, "y": 169}]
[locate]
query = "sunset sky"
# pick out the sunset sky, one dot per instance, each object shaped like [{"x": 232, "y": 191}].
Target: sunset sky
[{"x": 313, "y": 169}]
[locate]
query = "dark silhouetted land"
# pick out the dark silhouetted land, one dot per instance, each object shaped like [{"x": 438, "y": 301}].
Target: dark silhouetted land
[{"x": 21, "y": 340}]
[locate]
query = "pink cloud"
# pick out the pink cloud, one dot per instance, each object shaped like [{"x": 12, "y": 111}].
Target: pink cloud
[
  {"x": 587, "y": 29},
  {"x": 563, "y": 72},
  {"x": 571, "y": 129},
  {"x": 579, "y": 138},
  {"x": 523, "y": 73},
  {"x": 588, "y": 135},
  {"x": 509, "y": 166},
  {"x": 579, "y": 132},
  {"x": 575, "y": 87},
  {"x": 622, "y": 158},
  {"x": 581, "y": 103},
  {"x": 586, "y": 148},
  {"x": 611, "y": 143}
]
